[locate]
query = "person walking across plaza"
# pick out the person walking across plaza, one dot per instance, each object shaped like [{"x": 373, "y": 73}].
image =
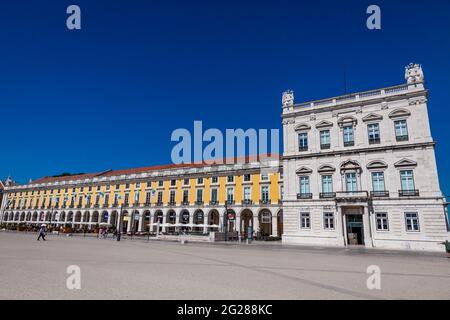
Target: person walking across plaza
[{"x": 41, "y": 233}]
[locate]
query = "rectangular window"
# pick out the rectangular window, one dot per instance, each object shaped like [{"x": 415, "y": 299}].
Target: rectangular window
[
  {"x": 148, "y": 196},
  {"x": 305, "y": 220},
  {"x": 247, "y": 177},
  {"x": 304, "y": 185},
  {"x": 172, "y": 196},
  {"x": 302, "y": 141},
  {"x": 160, "y": 183},
  {"x": 117, "y": 187},
  {"x": 378, "y": 181},
  {"x": 412, "y": 221},
  {"x": 160, "y": 197},
  {"x": 247, "y": 193},
  {"x": 325, "y": 141},
  {"x": 98, "y": 188},
  {"x": 108, "y": 187},
  {"x": 200, "y": 180},
  {"x": 327, "y": 184},
  {"x": 382, "y": 222},
  {"x": 407, "y": 180},
  {"x": 186, "y": 182},
  {"x": 107, "y": 200},
  {"x": 214, "y": 179},
  {"x": 401, "y": 130},
  {"x": 173, "y": 183},
  {"x": 348, "y": 136},
  {"x": 230, "y": 178},
  {"x": 264, "y": 177},
  {"x": 138, "y": 185},
  {"x": 350, "y": 182},
  {"x": 328, "y": 220},
  {"x": 199, "y": 195},
  {"x": 265, "y": 193},
  {"x": 373, "y": 130},
  {"x": 185, "y": 196},
  {"x": 214, "y": 195},
  {"x": 230, "y": 194},
  {"x": 127, "y": 198}
]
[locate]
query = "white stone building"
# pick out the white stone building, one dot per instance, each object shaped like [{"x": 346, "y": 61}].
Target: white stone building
[{"x": 360, "y": 169}]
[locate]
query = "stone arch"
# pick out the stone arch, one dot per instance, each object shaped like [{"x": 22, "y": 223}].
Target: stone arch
[
  {"x": 214, "y": 219},
  {"x": 171, "y": 218},
  {"x": 35, "y": 217},
  {"x": 198, "y": 219},
  {"x": 77, "y": 217},
  {"x": 95, "y": 217},
  {"x": 265, "y": 222},
  {"x": 70, "y": 216},
  {"x": 22, "y": 216},
  {"x": 113, "y": 218},
  {"x": 246, "y": 221},
  {"x": 48, "y": 216},
  {"x": 104, "y": 217},
  {"x": 146, "y": 220},
  {"x": 28, "y": 218},
  {"x": 62, "y": 216}
]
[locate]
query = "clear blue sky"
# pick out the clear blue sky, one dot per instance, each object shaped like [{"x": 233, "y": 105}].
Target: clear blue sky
[{"x": 109, "y": 95}]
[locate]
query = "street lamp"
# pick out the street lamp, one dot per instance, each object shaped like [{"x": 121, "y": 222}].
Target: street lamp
[{"x": 119, "y": 223}]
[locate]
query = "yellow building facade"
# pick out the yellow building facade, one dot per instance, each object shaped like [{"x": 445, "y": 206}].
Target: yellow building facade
[{"x": 202, "y": 198}]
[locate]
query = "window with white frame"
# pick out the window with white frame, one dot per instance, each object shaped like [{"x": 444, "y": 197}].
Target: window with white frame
[
  {"x": 172, "y": 196},
  {"x": 304, "y": 185},
  {"x": 382, "y": 221},
  {"x": 230, "y": 179},
  {"x": 160, "y": 197},
  {"x": 407, "y": 180},
  {"x": 264, "y": 177},
  {"x": 327, "y": 184},
  {"x": 214, "y": 195},
  {"x": 230, "y": 194},
  {"x": 247, "y": 177},
  {"x": 378, "y": 181},
  {"x": 305, "y": 220},
  {"x": 325, "y": 139},
  {"x": 401, "y": 130},
  {"x": 348, "y": 136},
  {"x": 199, "y": 180},
  {"x": 186, "y": 182},
  {"x": 303, "y": 141},
  {"x": 199, "y": 195},
  {"x": 185, "y": 196},
  {"x": 373, "y": 130},
  {"x": 247, "y": 193},
  {"x": 160, "y": 183},
  {"x": 412, "y": 221},
  {"x": 265, "y": 193},
  {"x": 350, "y": 182},
  {"x": 328, "y": 220},
  {"x": 214, "y": 179}
]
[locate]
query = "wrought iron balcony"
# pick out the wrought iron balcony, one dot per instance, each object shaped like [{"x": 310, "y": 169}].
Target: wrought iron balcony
[
  {"x": 304, "y": 196},
  {"x": 379, "y": 194},
  {"x": 408, "y": 193},
  {"x": 228, "y": 202},
  {"x": 105, "y": 205},
  {"x": 172, "y": 203},
  {"x": 199, "y": 203},
  {"x": 159, "y": 204},
  {"x": 325, "y": 146},
  {"x": 402, "y": 138},
  {"x": 264, "y": 201},
  {"x": 349, "y": 143},
  {"x": 185, "y": 203},
  {"x": 327, "y": 195},
  {"x": 247, "y": 202},
  {"x": 374, "y": 141},
  {"x": 303, "y": 148},
  {"x": 213, "y": 203}
]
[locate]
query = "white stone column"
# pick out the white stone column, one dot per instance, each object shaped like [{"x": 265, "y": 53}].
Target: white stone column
[
  {"x": 344, "y": 226},
  {"x": 274, "y": 226},
  {"x": 367, "y": 228},
  {"x": 130, "y": 222},
  {"x": 141, "y": 222},
  {"x": 164, "y": 221}
]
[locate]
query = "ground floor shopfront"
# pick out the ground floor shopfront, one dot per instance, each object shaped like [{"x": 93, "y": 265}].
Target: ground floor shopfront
[{"x": 387, "y": 224}]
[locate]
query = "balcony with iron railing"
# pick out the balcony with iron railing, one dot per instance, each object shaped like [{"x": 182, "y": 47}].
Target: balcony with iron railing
[
  {"x": 199, "y": 202},
  {"x": 304, "y": 196},
  {"x": 229, "y": 202},
  {"x": 172, "y": 203},
  {"x": 327, "y": 195},
  {"x": 402, "y": 138},
  {"x": 264, "y": 201},
  {"x": 185, "y": 202},
  {"x": 247, "y": 202},
  {"x": 379, "y": 194},
  {"x": 213, "y": 203},
  {"x": 408, "y": 193}
]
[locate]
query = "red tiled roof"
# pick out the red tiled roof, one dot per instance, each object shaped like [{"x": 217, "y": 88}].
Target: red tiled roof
[{"x": 110, "y": 173}]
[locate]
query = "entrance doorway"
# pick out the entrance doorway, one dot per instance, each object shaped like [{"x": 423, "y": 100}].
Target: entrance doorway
[{"x": 355, "y": 229}]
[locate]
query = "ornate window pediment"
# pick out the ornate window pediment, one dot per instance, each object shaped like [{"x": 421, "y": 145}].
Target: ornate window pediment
[
  {"x": 324, "y": 124},
  {"x": 347, "y": 120},
  {"x": 326, "y": 168},
  {"x": 303, "y": 170},
  {"x": 399, "y": 113},
  {"x": 372, "y": 117},
  {"x": 302, "y": 127},
  {"x": 405, "y": 163},
  {"x": 350, "y": 165},
  {"x": 377, "y": 164}
]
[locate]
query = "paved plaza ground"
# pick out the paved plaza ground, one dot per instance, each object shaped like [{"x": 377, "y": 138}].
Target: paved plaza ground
[{"x": 140, "y": 269}]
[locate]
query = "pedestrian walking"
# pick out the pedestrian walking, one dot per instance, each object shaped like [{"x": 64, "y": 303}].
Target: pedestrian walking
[
  {"x": 447, "y": 247},
  {"x": 41, "y": 232}
]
